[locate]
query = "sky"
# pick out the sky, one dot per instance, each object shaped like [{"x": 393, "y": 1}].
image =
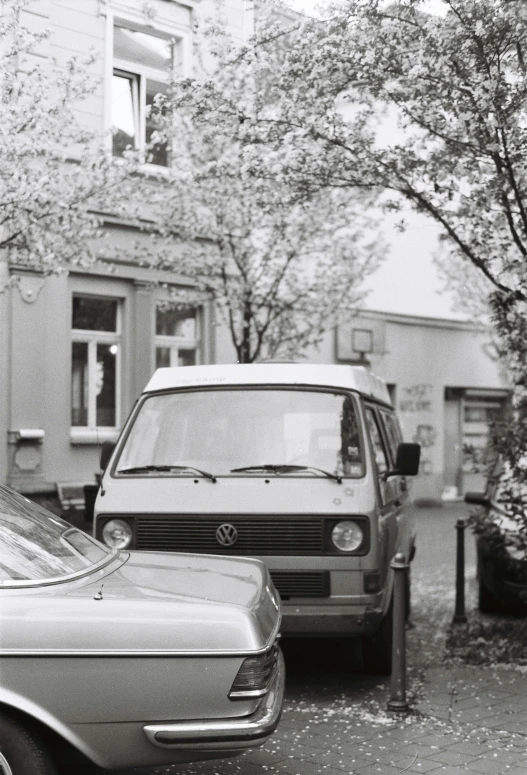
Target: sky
[{"x": 408, "y": 281}]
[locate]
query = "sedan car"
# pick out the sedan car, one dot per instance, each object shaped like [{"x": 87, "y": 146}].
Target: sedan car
[
  {"x": 125, "y": 659},
  {"x": 501, "y": 556}
]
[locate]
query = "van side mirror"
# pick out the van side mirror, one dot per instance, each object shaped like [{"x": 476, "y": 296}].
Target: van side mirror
[
  {"x": 406, "y": 460},
  {"x": 477, "y": 499},
  {"x": 107, "y": 448}
]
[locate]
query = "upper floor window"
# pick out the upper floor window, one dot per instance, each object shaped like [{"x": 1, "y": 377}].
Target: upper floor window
[
  {"x": 95, "y": 355},
  {"x": 177, "y": 337},
  {"x": 142, "y": 65}
]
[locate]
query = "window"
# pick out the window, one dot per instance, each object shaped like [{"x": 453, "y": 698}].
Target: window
[
  {"x": 142, "y": 64},
  {"x": 177, "y": 337},
  {"x": 95, "y": 354},
  {"x": 220, "y": 430},
  {"x": 393, "y": 433},
  {"x": 376, "y": 440}
]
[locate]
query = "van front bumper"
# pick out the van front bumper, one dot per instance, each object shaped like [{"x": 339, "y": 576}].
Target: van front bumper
[
  {"x": 232, "y": 734},
  {"x": 330, "y": 620}
]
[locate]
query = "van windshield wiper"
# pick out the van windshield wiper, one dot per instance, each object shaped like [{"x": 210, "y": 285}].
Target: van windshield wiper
[
  {"x": 165, "y": 468},
  {"x": 285, "y": 468}
]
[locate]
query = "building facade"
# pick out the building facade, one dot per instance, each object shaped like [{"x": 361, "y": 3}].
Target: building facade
[{"x": 78, "y": 349}]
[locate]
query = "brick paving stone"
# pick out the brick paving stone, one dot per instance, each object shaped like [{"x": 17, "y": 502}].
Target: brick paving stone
[
  {"x": 301, "y": 767},
  {"x": 423, "y": 750},
  {"x": 451, "y": 757},
  {"x": 490, "y": 767},
  {"x": 424, "y": 765},
  {"x": 264, "y": 757},
  {"x": 440, "y": 741},
  {"x": 465, "y": 703},
  {"x": 507, "y": 721},
  {"x": 473, "y": 714},
  {"x": 406, "y": 734},
  {"x": 378, "y": 769},
  {"x": 474, "y": 749}
]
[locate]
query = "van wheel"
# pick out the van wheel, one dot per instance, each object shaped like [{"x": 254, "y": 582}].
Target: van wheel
[
  {"x": 377, "y": 648},
  {"x": 21, "y": 752}
]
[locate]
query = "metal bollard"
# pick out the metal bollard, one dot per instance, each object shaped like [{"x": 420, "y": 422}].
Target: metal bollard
[
  {"x": 397, "y": 699},
  {"x": 459, "y": 615}
]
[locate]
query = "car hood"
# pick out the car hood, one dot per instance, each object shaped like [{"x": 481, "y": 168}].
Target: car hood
[{"x": 155, "y": 603}]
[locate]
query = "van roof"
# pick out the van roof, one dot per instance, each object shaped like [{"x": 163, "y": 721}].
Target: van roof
[{"x": 355, "y": 378}]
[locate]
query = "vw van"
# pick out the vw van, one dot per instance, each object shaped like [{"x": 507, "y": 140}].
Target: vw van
[{"x": 302, "y": 466}]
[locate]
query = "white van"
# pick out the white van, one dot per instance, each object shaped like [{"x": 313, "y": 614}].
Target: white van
[{"x": 300, "y": 465}]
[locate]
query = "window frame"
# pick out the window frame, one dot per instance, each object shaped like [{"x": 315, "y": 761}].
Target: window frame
[
  {"x": 92, "y": 339},
  {"x": 370, "y": 410},
  {"x": 176, "y": 343},
  {"x": 388, "y": 418},
  {"x": 140, "y": 74},
  {"x": 136, "y": 102}
]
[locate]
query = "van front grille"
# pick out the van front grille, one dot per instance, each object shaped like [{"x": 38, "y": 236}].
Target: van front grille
[
  {"x": 260, "y": 535},
  {"x": 301, "y": 583}
]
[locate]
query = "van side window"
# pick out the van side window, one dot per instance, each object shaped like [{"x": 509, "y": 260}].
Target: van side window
[
  {"x": 393, "y": 432},
  {"x": 378, "y": 447}
]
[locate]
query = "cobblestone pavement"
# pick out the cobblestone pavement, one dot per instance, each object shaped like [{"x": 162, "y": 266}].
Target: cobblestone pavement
[{"x": 463, "y": 720}]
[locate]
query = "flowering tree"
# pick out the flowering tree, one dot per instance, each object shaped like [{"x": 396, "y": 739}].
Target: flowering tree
[
  {"x": 280, "y": 263},
  {"x": 451, "y": 89},
  {"x": 54, "y": 175}
]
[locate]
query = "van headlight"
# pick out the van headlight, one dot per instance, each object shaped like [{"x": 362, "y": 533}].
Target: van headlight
[
  {"x": 347, "y": 535},
  {"x": 117, "y": 534}
]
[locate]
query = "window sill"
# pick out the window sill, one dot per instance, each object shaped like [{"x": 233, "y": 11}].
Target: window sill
[
  {"x": 90, "y": 436},
  {"x": 146, "y": 169}
]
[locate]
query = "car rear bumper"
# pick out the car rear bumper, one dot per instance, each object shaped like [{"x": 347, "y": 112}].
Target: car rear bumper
[{"x": 216, "y": 734}]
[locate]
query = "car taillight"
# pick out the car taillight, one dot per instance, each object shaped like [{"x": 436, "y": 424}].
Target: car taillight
[{"x": 255, "y": 675}]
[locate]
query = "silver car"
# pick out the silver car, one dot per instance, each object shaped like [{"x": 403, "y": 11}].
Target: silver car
[{"x": 123, "y": 659}]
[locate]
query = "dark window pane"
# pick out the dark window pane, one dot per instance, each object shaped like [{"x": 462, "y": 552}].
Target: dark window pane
[
  {"x": 378, "y": 447},
  {"x": 79, "y": 384},
  {"x": 186, "y": 358},
  {"x": 162, "y": 357},
  {"x": 176, "y": 323},
  {"x": 393, "y": 433},
  {"x": 105, "y": 384},
  {"x": 124, "y": 113},
  {"x": 158, "y": 150},
  {"x": 94, "y": 314}
]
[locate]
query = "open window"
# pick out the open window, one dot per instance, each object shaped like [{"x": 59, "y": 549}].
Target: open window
[{"x": 142, "y": 65}]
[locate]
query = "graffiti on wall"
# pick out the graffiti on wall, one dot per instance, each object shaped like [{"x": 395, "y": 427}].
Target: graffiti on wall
[{"x": 416, "y": 398}]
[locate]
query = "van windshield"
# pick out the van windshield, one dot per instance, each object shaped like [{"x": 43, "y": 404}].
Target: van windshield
[{"x": 224, "y": 429}]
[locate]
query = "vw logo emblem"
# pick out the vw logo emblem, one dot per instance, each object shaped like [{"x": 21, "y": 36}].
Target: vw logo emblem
[{"x": 226, "y": 535}]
